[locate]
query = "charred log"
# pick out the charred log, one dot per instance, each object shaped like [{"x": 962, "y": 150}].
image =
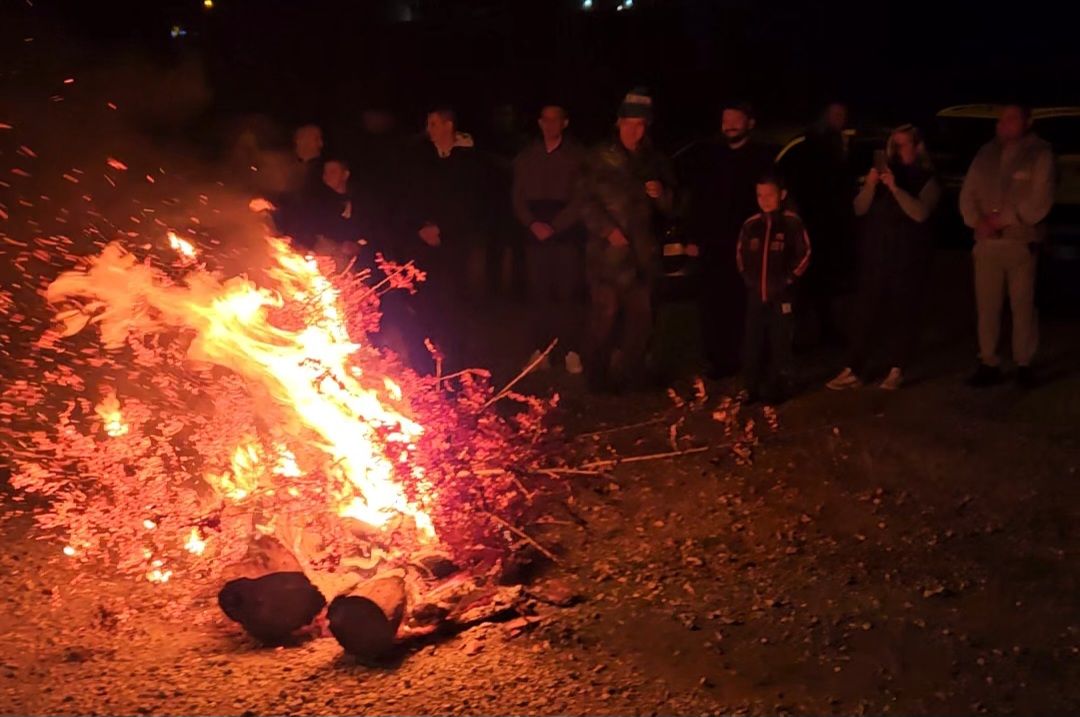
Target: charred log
[
  {"x": 273, "y": 607},
  {"x": 365, "y": 621}
]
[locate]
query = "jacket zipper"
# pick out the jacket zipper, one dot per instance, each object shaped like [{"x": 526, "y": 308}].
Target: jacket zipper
[{"x": 765, "y": 260}]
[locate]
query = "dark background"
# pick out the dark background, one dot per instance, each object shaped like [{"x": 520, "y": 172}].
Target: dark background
[{"x": 324, "y": 60}]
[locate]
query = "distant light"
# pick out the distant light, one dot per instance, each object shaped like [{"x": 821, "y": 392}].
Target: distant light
[
  {"x": 586, "y": 4},
  {"x": 208, "y": 4},
  {"x": 177, "y": 31},
  {"x": 628, "y": 4}
]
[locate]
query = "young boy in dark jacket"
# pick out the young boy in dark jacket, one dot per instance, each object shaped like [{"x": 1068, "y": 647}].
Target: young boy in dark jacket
[{"x": 772, "y": 253}]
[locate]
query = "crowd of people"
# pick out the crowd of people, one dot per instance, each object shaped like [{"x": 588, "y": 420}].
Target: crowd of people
[{"x": 599, "y": 222}]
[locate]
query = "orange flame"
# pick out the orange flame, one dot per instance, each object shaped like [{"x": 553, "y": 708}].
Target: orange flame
[
  {"x": 243, "y": 477},
  {"x": 195, "y": 543},
  {"x": 307, "y": 371},
  {"x": 112, "y": 419},
  {"x": 183, "y": 247},
  {"x": 157, "y": 573}
]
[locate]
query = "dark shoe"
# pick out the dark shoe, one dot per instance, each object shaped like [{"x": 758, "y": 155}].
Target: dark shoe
[
  {"x": 1025, "y": 378},
  {"x": 985, "y": 376}
]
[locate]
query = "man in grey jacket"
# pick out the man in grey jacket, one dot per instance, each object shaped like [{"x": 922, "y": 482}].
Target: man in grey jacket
[{"x": 1006, "y": 195}]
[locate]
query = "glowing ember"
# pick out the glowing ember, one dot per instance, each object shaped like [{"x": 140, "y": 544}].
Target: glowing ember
[
  {"x": 182, "y": 246},
  {"x": 243, "y": 478},
  {"x": 195, "y": 543},
  {"x": 157, "y": 574},
  {"x": 113, "y": 421},
  {"x": 69, "y": 551}
]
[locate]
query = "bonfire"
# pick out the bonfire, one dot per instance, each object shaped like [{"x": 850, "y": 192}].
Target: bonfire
[{"x": 211, "y": 430}]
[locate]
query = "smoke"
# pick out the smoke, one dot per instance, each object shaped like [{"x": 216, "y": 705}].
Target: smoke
[{"x": 97, "y": 147}]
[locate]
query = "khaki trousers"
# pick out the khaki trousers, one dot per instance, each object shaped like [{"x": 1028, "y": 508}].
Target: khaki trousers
[{"x": 1006, "y": 266}]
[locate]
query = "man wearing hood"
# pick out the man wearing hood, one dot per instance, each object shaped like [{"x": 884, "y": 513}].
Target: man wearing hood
[
  {"x": 627, "y": 186},
  {"x": 720, "y": 177},
  {"x": 1006, "y": 195}
]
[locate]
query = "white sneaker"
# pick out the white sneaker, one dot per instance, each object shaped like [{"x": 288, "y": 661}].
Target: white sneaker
[
  {"x": 543, "y": 365},
  {"x": 573, "y": 363},
  {"x": 894, "y": 380},
  {"x": 844, "y": 380}
]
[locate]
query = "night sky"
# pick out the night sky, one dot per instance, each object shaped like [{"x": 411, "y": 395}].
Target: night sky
[{"x": 326, "y": 59}]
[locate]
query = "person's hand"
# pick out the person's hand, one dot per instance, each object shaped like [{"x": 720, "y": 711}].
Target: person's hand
[
  {"x": 693, "y": 250},
  {"x": 889, "y": 180},
  {"x": 429, "y": 233},
  {"x": 541, "y": 230},
  {"x": 261, "y": 205},
  {"x": 873, "y": 177},
  {"x": 617, "y": 239},
  {"x": 987, "y": 227},
  {"x": 654, "y": 188}
]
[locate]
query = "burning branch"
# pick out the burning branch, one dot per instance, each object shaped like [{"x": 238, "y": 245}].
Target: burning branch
[
  {"x": 262, "y": 410},
  {"x": 525, "y": 372}
]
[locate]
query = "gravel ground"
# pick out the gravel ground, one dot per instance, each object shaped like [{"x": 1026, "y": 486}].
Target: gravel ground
[{"x": 906, "y": 553}]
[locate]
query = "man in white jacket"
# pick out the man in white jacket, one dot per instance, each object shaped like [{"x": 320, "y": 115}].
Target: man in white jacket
[{"x": 1006, "y": 195}]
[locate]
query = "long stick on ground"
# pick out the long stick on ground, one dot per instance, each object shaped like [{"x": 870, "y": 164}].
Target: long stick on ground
[
  {"x": 648, "y": 457},
  {"x": 616, "y": 429},
  {"x": 524, "y": 536},
  {"x": 619, "y": 461},
  {"x": 525, "y": 372}
]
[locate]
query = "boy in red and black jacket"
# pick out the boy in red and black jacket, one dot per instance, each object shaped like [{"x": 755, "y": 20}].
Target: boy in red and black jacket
[{"x": 772, "y": 253}]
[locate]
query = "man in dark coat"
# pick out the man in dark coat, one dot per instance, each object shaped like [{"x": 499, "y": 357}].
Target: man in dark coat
[
  {"x": 719, "y": 179},
  {"x": 823, "y": 185},
  {"x": 449, "y": 186},
  {"x": 299, "y": 210}
]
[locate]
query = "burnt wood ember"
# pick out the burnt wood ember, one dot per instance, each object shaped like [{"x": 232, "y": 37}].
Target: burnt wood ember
[
  {"x": 365, "y": 621},
  {"x": 271, "y": 608}
]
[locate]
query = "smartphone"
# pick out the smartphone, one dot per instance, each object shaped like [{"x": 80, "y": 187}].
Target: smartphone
[{"x": 881, "y": 163}]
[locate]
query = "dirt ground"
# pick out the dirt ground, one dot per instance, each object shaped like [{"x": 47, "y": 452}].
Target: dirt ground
[{"x": 907, "y": 553}]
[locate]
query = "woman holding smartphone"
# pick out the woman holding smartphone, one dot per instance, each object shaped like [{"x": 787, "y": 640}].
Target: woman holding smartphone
[{"x": 895, "y": 250}]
